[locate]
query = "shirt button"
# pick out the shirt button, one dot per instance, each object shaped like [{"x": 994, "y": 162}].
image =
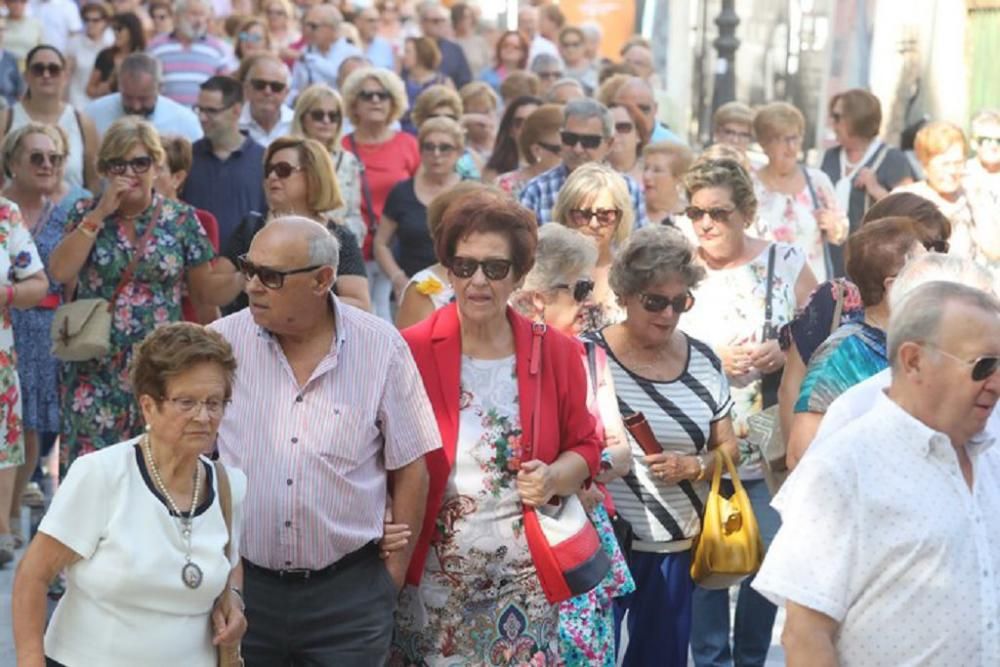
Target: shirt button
[
  {"x": 288, "y": 562},
  {"x": 289, "y": 482},
  {"x": 288, "y": 524},
  {"x": 294, "y": 440},
  {"x": 298, "y": 399}
]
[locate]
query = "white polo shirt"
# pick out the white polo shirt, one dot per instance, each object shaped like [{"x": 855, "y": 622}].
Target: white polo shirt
[{"x": 881, "y": 533}]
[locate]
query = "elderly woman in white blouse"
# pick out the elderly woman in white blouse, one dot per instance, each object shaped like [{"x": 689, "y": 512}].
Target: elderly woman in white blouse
[{"x": 141, "y": 528}]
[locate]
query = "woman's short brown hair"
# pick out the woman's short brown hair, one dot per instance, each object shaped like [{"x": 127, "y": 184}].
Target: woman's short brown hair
[
  {"x": 520, "y": 83},
  {"x": 878, "y": 251},
  {"x": 861, "y": 110},
  {"x": 931, "y": 224},
  {"x": 432, "y": 98},
  {"x": 11, "y": 146},
  {"x": 680, "y": 155},
  {"x": 723, "y": 173},
  {"x": 525, "y": 48},
  {"x": 444, "y": 126},
  {"x": 546, "y": 119},
  {"x": 427, "y": 52},
  {"x": 123, "y": 135},
  {"x": 477, "y": 91},
  {"x": 310, "y": 98},
  {"x": 173, "y": 349},
  {"x": 486, "y": 212},
  {"x": 178, "y": 152},
  {"x": 937, "y": 137},
  {"x": 775, "y": 120},
  {"x": 440, "y": 204},
  {"x": 317, "y": 165}
]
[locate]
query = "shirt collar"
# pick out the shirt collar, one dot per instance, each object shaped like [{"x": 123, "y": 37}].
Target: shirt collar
[
  {"x": 338, "y": 323},
  {"x": 914, "y": 430}
]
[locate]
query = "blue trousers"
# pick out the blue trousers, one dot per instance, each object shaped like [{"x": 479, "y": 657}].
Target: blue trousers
[
  {"x": 653, "y": 624},
  {"x": 751, "y": 632}
]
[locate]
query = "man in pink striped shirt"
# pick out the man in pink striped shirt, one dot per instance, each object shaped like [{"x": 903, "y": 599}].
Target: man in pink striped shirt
[{"x": 327, "y": 399}]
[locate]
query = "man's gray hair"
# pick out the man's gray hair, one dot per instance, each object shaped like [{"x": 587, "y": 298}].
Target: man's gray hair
[
  {"x": 180, "y": 6},
  {"x": 141, "y": 63},
  {"x": 543, "y": 60},
  {"x": 587, "y": 108},
  {"x": 917, "y": 319},
  {"x": 562, "y": 254},
  {"x": 937, "y": 267},
  {"x": 592, "y": 31},
  {"x": 324, "y": 249}
]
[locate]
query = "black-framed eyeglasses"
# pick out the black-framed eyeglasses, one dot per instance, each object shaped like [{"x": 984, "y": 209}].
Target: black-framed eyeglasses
[
  {"x": 571, "y": 45},
  {"x": 437, "y": 149},
  {"x": 493, "y": 269},
  {"x": 988, "y": 140},
  {"x": 555, "y": 149},
  {"x": 41, "y": 69},
  {"x": 718, "y": 214},
  {"x": 138, "y": 165},
  {"x": 624, "y": 127},
  {"x": 982, "y": 367},
  {"x": 657, "y": 303},
  {"x": 581, "y": 289},
  {"x": 281, "y": 169},
  {"x": 192, "y": 406},
  {"x": 937, "y": 245},
  {"x": 605, "y": 216},
  {"x": 94, "y": 19},
  {"x": 553, "y": 76},
  {"x": 374, "y": 95},
  {"x": 269, "y": 278},
  {"x": 589, "y": 141},
  {"x": 318, "y": 115},
  {"x": 40, "y": 159},
  {"x": 209, "y": 111},
  {"x": 260, "y": 85}
]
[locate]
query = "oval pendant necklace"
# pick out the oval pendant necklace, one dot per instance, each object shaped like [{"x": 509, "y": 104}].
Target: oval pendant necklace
[{"x": 191, "y": 574}]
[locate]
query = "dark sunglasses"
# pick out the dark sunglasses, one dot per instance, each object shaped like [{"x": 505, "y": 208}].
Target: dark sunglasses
[
  {"x": 374, "y": 95},
  {"x": 94, "y": 19},
  {"x": 260, "y": 85},
  {"x": 550, "y": 75},
  {"x": 624, "y": 127},
  {"x": 493, "y": 269},
  {"x": 988, "y": 140},
  {"x": 571, "y": 45},
  {"x": 41, "y": 69},
  {"x": 39, "y": 159},
  {"x": 937, "y": 246},
  {"x": 718, "y": 214},
  {"x": 280, "y": 169},
  {"x": 657, "y": 303},
  {"x": 555, "y": 149},
  {"x": 982, "y": 368},
  {"x": 605, "y": 216},
  {"x": 318, "y": 115},
  {"x": 581, "y": 289},
  {"x": 437, "y": 149},
  {"x": 571, "y": 139},
  {"x": 208, "y": 111},
  {"x": 269, "y": 278},
  {"x": 139, "y": 165}
]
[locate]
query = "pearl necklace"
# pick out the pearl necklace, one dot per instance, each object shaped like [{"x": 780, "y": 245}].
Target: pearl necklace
[{"x": 191, "y": 574}]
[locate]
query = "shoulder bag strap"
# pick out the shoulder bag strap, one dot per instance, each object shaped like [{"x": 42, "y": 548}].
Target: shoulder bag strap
[
  {"x": 838, "y": 309},
  {"x": 809, "y": 184},
  {"x": 768, "y": 305},
  {"x": 827, "y": 257},
  {"x": 225, "y": 501},
  {"x": 140, "y": 249},
  {"x": 591, "y": 348},
  {"x": 874, "y": 165},
  {"x": 365, "y": 190},
  {"x": 535, "y": 369}
]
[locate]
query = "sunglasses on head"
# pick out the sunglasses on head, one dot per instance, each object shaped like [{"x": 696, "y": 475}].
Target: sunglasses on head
[
  {"x": 695, "y": 213},
  {"x": 437, "y": 149},
  {"x": 270, "y": 278},
  {"x": 260, "y": 85},
  {"x": 589, "y": 141},
  {"x": 937, "y": 245},
  {"x": 982, "y": 367},
  {"x": 318, "y": 115},
  {"x": 581, "y": 289},
  {"x": 374, "y": 95},
  {"x": 281, "y": 169},
  {"x": 657, "y": 303},
  {"x": 41, "y": 69},
  {"x": 605, "y": 216},
  {"x": 39, "y": 159},
  {"x": 493, "y": 269},
  {"x": 139, "y": 165}
]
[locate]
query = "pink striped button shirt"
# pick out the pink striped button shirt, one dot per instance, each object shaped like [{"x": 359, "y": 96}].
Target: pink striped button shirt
[{"x": 316, "y": 456}]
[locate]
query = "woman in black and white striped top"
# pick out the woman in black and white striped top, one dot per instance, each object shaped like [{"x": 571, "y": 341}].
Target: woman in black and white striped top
[{"x": 677, "y": 382}]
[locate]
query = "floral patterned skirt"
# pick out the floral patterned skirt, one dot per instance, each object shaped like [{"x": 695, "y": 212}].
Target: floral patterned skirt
[{"x": 11, "y": 427}]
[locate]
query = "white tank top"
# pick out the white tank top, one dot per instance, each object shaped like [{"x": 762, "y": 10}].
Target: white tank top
[{"x": 73, "y": 176}]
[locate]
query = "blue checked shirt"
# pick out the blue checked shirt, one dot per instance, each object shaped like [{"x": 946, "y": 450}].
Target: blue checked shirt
[{"x": 540, "y": 194}]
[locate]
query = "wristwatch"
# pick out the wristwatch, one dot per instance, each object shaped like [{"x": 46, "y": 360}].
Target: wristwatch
[{"x": 703, "y": 468}]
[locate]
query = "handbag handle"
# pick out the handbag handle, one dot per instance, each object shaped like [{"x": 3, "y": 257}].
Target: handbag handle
[
  {"x": 535, "y": 369},
  {"x": 140, "y": 249},
  {"x": 722, "y": 458},
  {"x": 226, "y": 502},
  {"x": 768, "y": 307}
]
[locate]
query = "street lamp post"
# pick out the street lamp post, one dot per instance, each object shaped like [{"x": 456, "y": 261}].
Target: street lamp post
[{"x": 726, "y": 44}]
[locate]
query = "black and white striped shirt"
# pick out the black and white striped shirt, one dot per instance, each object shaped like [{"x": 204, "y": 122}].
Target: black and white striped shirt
[{"x": 680, "y": 413}]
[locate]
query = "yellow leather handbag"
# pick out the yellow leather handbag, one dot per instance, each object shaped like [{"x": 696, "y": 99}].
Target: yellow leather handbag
[{"x": 729, "y": 548}]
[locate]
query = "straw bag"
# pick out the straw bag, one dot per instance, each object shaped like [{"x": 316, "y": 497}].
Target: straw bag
[
  {"x": 729, "y": 548},
  {"x": 564, "y": 544},
  {"x": 229, "y": 656},
  {"x": 81, "y": 329}
]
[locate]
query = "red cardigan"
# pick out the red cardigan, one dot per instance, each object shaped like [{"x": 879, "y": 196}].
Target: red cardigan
[{"x": 565, "y": 423}]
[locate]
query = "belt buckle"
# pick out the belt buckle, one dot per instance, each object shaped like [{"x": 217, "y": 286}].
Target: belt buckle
[{"x": 301, "y": 573}]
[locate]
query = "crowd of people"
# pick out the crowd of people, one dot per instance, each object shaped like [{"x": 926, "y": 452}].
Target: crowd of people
[{"x": 383, "y": 290}]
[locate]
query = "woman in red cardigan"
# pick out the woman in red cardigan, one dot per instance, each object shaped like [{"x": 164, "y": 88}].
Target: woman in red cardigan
[{"x": 475, "y": 593}]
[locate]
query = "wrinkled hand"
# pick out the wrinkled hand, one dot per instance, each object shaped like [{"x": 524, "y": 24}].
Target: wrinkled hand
[
  {"x": 228, "y": 622},
  {"x": 671, "y": 468},
  {"x": 867, "y": 180},
  {"x": 590, "y": 498},
  {"x": 736, "y": 359},
  {"x": 768, "y": 357},
  {"x": 111, "y": 199},
  {"x": 833, "y": 225},
  {"x": 395, "y": 536},
  {"x": 535, "y": 483}
]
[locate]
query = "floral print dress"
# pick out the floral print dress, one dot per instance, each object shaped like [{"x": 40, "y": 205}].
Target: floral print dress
[
  {"x": 479, "y": 601},
  {"x": 19, "y": 260},
  {"x": 98, "y": 408}
]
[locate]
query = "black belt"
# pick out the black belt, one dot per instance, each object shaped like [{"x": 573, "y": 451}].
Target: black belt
[{"x": 370, "y": 550}]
